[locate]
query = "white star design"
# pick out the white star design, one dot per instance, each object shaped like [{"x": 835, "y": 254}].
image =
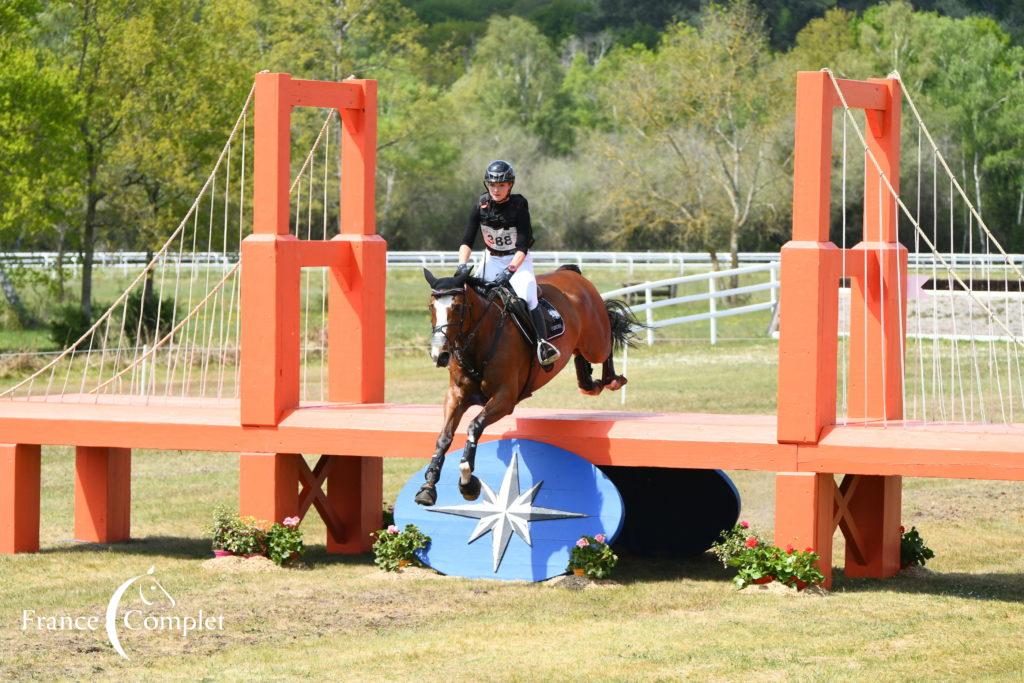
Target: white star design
[{"x": 506, "y": 512}]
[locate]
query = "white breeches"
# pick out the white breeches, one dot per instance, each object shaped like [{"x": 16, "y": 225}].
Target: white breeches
[{"x": 523, "y": 282}]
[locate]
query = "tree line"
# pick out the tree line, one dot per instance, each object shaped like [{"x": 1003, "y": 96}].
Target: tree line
[{"x": 662, "y": 126}]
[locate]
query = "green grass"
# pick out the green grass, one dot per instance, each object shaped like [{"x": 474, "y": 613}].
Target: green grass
[{"x": 342, "y": 619}]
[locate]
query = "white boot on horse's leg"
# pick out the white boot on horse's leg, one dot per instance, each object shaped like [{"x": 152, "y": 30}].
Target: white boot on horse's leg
[{"x": 547, "y": 353}]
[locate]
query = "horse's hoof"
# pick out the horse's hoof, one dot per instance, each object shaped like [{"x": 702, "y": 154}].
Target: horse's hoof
[
  {"x": 426, "y": 496},
  {"x": 470, "y": 491},
  {"x": 591, "y": 392},
  {"x": 617, "y": 383}
]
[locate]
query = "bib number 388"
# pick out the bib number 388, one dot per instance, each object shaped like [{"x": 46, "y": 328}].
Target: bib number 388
[{"x": 500, "y": 240}]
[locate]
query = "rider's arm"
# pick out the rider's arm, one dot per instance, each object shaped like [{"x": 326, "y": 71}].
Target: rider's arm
[
  {"x": 469, "y": 234},
  {"x": 517, "y": 261}
]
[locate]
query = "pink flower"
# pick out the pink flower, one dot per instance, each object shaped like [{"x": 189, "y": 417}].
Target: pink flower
[
  {"x": 745, "y": 525},
  {"x": 751, "y": 542},
  {"x": 599, "y": 538},
  {"x": 582, "y": 543},
  {"x": 392, "y": 529},
  {"x": 291, "y": 522}
]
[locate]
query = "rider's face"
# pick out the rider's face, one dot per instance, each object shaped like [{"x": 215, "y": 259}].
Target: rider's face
[{"x": 499, "y": 191}]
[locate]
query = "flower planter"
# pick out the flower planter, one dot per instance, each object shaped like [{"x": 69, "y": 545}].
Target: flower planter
[
  {"x": 578, "y": 571},
  {"x": 763, "y": 580},
  {"x": 402, "y": 564},
  {"x": 217, "y": 552}
]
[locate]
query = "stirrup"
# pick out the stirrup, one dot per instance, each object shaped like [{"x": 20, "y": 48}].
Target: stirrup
[{"x": 547, "y": 353}]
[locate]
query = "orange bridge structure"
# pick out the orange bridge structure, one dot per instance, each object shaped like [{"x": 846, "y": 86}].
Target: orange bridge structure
[{"x": 269, "y": 423}]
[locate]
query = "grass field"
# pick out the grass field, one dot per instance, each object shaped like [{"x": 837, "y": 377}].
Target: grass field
[{"x": 342, "y": 619}]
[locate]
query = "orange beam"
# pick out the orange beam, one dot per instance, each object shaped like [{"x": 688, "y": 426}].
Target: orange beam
[
  {"x": 871, "y": 94},
  {"x": 325, "y": 94}
]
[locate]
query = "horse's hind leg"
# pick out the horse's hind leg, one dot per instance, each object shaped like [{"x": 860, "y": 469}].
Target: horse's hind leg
[
  {"x": 585, "y": 376},
  {"x": 608, "y": 377},
  {"x": 497, "y": 407}
]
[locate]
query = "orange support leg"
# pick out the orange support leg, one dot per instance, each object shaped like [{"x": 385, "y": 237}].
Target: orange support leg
[
  {"x": 870, "y": 511},
  {"x": 268, "y": 485},
  {"x": 19, "y": 498},
  {"x": 103, "y": 494},
  {"x": 804, "y": 503},
  {"x": 355, "y": 491}
]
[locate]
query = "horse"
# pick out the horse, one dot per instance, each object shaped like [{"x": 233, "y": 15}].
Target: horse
[{"x": 492, "y": 364}]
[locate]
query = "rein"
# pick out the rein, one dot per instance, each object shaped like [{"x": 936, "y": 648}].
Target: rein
[{"x": 460, "y": 344}]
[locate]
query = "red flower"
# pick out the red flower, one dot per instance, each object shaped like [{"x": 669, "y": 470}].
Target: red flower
[
  {"x": 751, "y": 542},
  {"x": 902, "y": 530},
  {"x": 808, "y": 549},
  {"x": 745, "y": 525},
  {"x": 789, "y": 549}
]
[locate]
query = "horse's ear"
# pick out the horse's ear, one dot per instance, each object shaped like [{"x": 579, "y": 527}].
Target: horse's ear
[{"x": 431, "y": 280}]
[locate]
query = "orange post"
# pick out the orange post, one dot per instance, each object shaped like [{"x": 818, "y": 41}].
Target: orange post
[
  {"x": 355, "y": 490},
  {"x": 806, "y": 521},
  {"x": 19, "y": 498},
  {"x": 809, "y": 279},
  {"x": 866, "y": 509},
  {"x": 268, "y": 485},
  {"x": 103, "y": 490}
]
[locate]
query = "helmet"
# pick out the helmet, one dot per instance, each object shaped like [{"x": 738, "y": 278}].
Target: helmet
[{"x": 499, "y": 172}]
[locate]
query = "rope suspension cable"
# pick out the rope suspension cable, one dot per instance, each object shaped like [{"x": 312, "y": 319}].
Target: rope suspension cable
[
  {"x": 70, "y": 351},
  {"x": 903, "y": 207}
]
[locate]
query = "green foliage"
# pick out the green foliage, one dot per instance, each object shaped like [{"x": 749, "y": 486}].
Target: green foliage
[
  {"x": 284, "y": 542},
  {"x": 280, "y": 541},
  {"x": 147, "y": 318},
  {"x": 392, "y": 547},
  {"x": 68, "y": 324},
  {"x": 593, "y": 556},
  {"x": 913, "y": 551},
  {"x": 760, "y": 562}
]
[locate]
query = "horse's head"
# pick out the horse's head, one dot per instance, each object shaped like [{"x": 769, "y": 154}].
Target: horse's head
[{"x": 448, "y": 314}]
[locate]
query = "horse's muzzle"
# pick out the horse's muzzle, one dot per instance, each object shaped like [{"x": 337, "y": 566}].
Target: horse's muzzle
[{"x": 442, "y": 359}]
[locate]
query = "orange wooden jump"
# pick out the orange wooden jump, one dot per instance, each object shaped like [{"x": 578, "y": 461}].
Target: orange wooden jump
[{"x": 269, "y": 427}]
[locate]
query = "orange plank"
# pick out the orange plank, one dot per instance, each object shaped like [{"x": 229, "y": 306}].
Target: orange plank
[
  {"x": 19, "y": 498},
  {"x": 863, "y": 94},
  {"x": 324, "y": 94},
  {"x": 103, "y": 479}
]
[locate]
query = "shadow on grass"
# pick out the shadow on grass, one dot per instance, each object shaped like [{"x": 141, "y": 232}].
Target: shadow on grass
[
  {"x": 637, "y": 569},
  {"x": 187, "y": 548},
  {"x": 1002, "y": 587}
]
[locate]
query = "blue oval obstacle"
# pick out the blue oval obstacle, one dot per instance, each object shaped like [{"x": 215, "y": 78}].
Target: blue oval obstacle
[
  {"x": 672, "y": 512},
  {"x": 537, "y": 501}
]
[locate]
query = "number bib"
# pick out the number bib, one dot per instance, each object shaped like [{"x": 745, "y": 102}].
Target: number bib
[{"x": 499, "y": 239}]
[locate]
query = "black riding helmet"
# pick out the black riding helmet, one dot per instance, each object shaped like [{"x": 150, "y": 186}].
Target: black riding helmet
[{"x": 499, "y": 172}]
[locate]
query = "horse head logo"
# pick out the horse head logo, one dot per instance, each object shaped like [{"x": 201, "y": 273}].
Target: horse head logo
[{"x": 151, "y": 592}]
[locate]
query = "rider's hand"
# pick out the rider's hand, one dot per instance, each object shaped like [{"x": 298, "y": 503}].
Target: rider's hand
[
  {"x": 462, "y": 270},
  {"x": 503, "y": 277}
]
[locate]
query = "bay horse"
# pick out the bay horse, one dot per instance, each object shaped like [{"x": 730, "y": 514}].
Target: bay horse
[{"x": 492, "y": 364}]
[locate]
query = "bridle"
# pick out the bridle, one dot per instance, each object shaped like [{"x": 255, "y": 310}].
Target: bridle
[{"x": 459, "y": 344}]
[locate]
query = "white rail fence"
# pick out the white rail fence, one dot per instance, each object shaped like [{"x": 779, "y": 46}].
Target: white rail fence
[
  {"x": 416, "y": 259},
  {"x": 714, "y": 293}
]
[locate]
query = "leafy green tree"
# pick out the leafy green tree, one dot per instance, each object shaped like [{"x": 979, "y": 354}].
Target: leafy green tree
[{"x": 696, "y": 157}]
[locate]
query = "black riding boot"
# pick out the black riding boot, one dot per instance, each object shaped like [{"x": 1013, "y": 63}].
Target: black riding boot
[{"x": 546, "y": 351}]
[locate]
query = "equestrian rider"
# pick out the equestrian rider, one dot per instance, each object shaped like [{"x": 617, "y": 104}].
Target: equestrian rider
[{"x": 503, "y": 219}]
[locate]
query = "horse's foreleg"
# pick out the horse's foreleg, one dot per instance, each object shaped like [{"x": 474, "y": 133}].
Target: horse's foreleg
[
  {"x": 497, "y": 407},
  {"x": 454, "y": 408}
]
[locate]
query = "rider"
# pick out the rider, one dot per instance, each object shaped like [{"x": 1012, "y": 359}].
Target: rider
[{"x": 503, "y": 219}]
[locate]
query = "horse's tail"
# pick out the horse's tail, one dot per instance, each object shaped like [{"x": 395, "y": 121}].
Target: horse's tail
[{"x": 624, "y": 323}]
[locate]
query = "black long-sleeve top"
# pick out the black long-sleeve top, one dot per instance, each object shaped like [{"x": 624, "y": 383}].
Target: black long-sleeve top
[{"x": 505, "y": 227}]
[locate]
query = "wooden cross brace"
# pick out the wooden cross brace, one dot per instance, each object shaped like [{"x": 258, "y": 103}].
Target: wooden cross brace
[
  {"x": 312, "y": 493},
  {"x": 841, "y": 517}
]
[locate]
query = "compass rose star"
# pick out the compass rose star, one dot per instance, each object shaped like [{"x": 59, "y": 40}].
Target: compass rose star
[{"x": 506, "y": 512}]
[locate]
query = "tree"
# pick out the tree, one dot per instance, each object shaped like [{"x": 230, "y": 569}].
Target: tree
[{"x": 696, "y": 157}]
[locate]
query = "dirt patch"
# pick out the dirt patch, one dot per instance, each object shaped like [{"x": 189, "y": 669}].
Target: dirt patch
[
  {"x": 240, "y": 565},
  {"x": 776, "y": 588},
  {"x": 578, "y": 583},
  {"x": 407, "y": 573},
  {"x": 916, "y": 571}
]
